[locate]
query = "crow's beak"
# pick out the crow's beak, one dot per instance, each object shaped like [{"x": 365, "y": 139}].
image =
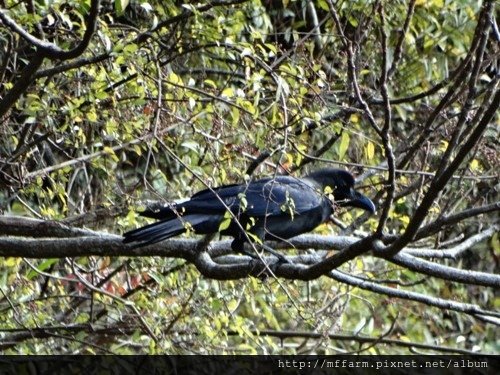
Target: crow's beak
[{"x": 360, "y": 201}]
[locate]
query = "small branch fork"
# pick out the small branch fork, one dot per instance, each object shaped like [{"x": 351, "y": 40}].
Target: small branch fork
[{"x": 44, "y": 50}]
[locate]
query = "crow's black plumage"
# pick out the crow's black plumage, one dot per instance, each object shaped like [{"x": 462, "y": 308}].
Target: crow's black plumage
[{"x": 271, "y": 208}]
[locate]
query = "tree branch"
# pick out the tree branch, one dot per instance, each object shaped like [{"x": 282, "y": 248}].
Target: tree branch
[
  {"x": 466, "y": 308},
  {"x": 52, "y": 239},
  {"x": 43, "y": 49},
  {"x": 361, "y": 339},
  {"x": 22, "y": 84},
  {"x": 439, "y": 182},
  {"x": 398, "y": 50},
  {"x": 51, "y": 50},
  {"x": 385, "y": 134}
]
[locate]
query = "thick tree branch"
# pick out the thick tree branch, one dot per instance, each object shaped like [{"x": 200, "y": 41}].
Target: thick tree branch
[
  {"x": 28, "y": 227},
  {"x": 80, "y": 242},
  {"x": 444, "y": 272},
  {"x": 454, "y": 252}
]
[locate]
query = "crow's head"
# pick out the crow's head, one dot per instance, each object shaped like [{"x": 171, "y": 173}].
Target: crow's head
[{"x": 342, "y": 184}]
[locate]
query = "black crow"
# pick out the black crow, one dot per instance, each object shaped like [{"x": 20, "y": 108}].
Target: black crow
[{"x": 274, "y": 208}]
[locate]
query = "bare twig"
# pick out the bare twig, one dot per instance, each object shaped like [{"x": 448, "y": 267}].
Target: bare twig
[
  {"x": 386, "y": 132},
  {"x": 398, "y": 50}
]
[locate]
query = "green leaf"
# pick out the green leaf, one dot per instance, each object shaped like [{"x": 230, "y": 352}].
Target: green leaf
[
  {"x": 254, "y": 238},
  {"x": 42, "y": 267},
  {"x": 344, "y": 144},
  {"x": 224, "y": 224},
  {"x": 120, "y": 6}
]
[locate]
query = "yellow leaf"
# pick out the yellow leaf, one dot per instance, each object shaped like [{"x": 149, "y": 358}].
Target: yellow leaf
[
  {"x": 174, "y": 78},
  {"x": 210, "y": 83},
  {"x": 228, "y": 92},
  {"x": 92, "y": 116},
  {"x": 109, "y": 151},
  {"x": 495, "y": 244},
  {"x": 232, "y": 305},
  {"x": 11, "y": 262},
  {"x": 138, "y": 150},
  {"x": 344, "y": 144},
  {"x": 327, "y": 190},
  {"x": 370, "y": 150},
  {"x": 474, "y": 165},
  {"x": 443, "y": 145},
  {"x": 254, "y": 238}
]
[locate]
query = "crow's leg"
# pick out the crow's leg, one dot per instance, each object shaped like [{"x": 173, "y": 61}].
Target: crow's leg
[
  {"x": 238, "y": 245},
  {"x": 204, "y": 243},
  {"x": 277, "y": 254},
  {"x": 260, "y": 232}
]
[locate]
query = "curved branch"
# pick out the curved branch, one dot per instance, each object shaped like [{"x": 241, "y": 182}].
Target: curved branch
[
  {"x": 51, "y": 50},
  {"x": 398, "y": 50},
  {"x": 43, "y": 49},
  {"x": 60, "y": 68},
  {"x": 75, "y": 242},
  {"x": 466, "y": 308},
  {"x": 385, "y": 135},
  {"x": 445, "y": 272},
  {"x": 302, "y": 267},
  {"x": 444, "y": 221},
  {"x": 454, "y": 252}
]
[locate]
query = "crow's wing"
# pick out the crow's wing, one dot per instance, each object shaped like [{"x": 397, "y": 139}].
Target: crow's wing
[
  {"x": 282, "y": 196},
  {"x": 207, "y": 201},
  {"x": 266, "y": 197},
  {"x": 262, "y": 198}
]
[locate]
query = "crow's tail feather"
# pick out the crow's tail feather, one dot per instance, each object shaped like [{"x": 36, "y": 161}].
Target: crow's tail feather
[
  {"x": 161, "y": 230},
  {"x": 155, "y": 232}
]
